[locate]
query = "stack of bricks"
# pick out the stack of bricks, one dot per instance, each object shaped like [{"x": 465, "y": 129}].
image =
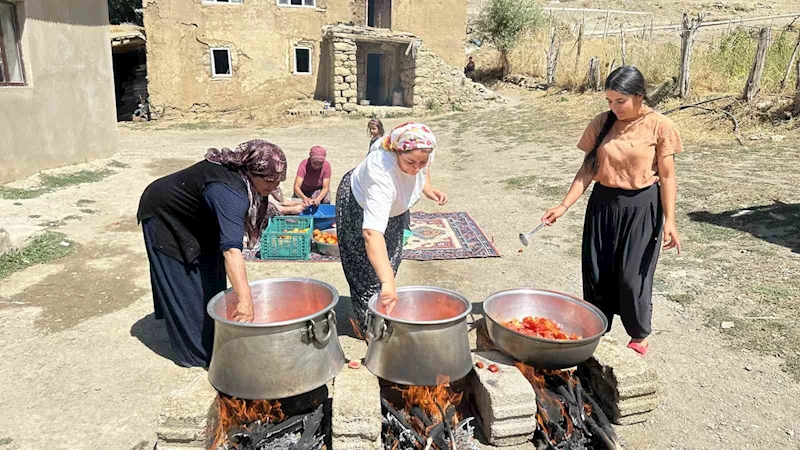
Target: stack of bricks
[
  {"x": 622, "y": 382},
  {"x": 505, "y": 400},
  {"x": 345, "y": 75}
]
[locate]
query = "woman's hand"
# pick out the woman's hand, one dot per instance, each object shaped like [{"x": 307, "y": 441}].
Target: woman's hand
[
  {"x": 244, "y": 311},
  {"x": 389, "y": 296},
  {"x": 551, "y": 215},
  {"x": 671, "y": 239},
  {"x": 438, "y": 196}
]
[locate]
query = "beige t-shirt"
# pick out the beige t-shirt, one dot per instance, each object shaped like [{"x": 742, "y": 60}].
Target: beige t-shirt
[{"x": 628, "y": 156}]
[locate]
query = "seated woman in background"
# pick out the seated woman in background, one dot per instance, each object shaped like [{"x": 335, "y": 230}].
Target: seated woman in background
[{"x": 313, "y": 181}]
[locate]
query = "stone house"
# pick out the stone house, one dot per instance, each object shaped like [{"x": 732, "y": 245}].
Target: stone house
[
  {"x": 56, "y": 85},
  {"x": 217, "y": 57}
]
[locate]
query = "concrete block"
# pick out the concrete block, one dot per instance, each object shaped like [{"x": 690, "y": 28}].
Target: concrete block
[
  {"x": 190, "y": 406},
  {"x": 621, "y": 380},
  {"x": 188, "y": 414},
  {"x": 351, "y": 79},
  {"x": 349, "y": 64},
  {"x": 349, "y": 93},
  {"x": 506, "y": 400},
  {"x": 341, "y": 71},
  {"x": 350, "y": 443},
  {"x": 356, "y": 407},
  {"x": 338, "y": 63},
  {"x": 341, "y": 86}
]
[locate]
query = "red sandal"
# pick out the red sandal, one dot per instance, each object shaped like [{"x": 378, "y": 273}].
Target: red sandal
[{"x": 639, "y": 348}]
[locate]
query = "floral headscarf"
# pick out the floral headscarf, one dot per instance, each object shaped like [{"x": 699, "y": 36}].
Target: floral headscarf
[
  {"x": 257, "y": 158},
  {"x": 408, "y": 137}
]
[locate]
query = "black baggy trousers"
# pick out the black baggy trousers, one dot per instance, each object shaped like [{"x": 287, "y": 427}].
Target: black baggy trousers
[{"x": 621, "y": 243}]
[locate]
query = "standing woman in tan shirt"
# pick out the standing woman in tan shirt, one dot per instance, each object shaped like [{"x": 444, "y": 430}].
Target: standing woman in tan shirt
[{"x": 630, "y": 155}]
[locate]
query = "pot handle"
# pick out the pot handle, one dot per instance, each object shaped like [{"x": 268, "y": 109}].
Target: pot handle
[
  {"x": 316, "y": 328},
  {"x": 383, "y": 332}
]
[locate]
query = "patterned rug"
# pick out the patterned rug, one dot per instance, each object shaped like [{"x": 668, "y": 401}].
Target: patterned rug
[{"x": 437, "y": 236}]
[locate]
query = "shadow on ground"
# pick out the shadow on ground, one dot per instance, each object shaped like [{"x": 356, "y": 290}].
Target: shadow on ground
[
  {"x": 153, "y": 334},
  {"x": 345, "y": 317},
  {"x": 778, "y": 223}
]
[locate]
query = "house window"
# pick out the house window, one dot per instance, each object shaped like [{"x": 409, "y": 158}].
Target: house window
[
  {"x": 221, "y": 62},
  {"x": 230, "y": 2},
  {"x": 302, "y": 60},
  {"x": 301, "y": 3},
  {"x": 12, "y": 72}
]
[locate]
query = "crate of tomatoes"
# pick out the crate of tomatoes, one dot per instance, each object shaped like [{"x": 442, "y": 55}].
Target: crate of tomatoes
[{"x": 287, "y": 237}]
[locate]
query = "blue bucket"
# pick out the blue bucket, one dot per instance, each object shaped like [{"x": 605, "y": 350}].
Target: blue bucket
[{"x": 324, "y": 215}]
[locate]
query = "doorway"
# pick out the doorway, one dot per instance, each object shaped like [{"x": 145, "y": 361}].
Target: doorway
[{"x": 374, "y": 78}]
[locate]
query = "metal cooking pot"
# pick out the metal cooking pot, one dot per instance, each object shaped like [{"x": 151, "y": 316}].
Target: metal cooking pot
[
  {"x": 575, "y": 315},
  {"x": 423, "y": 340},
  {"x": 291, "y": 348}
]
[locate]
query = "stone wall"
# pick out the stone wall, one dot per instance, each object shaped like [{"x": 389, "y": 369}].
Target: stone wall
[
  {"x": 440, "y": 85},
  {"x": 345, "y": 75}
]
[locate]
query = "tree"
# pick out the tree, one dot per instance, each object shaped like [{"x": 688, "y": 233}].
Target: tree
[
  {"x": 124, "y": 11},
  {"x": 502, "y": 22}
]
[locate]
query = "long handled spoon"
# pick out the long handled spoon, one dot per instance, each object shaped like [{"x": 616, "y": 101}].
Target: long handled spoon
[{"x": 524, "y": 237}]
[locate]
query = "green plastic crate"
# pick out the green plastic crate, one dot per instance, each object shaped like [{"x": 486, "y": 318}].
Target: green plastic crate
[{"x": 278, "y": 241}]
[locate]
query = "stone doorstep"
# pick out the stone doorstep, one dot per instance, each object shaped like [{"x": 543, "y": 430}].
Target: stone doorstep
[{"x": 505, "y": 400}]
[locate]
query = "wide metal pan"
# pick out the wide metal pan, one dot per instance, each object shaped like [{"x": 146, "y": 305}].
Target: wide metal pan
[{"x": 575, "y": 315}]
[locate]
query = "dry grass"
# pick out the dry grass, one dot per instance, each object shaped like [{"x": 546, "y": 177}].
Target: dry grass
[{"x": 719, "y": 65}]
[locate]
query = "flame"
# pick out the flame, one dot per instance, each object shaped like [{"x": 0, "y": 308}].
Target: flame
[
  {"x": 537, "y": 380},
  {"x": 356, "y": 329},
  {"x": 429, "y": 399},
  {"x": 233, "y": 412}
]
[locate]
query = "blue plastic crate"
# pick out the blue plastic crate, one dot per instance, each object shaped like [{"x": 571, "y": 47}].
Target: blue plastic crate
[
  {"x": 324, "y": 215},
  {"x": 278, "y": 241}
]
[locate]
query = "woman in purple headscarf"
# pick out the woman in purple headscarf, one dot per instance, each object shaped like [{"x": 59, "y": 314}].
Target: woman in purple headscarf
[{"x": 194, "y": 222}]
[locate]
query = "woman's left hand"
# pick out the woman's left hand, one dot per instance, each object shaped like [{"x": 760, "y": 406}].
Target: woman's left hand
[
  {"x": 438, "y": 196},
  {"x": 671, "y": 239}
]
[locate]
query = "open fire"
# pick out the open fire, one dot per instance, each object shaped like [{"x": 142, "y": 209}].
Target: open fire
[
  {"x": 568, "y": 418},
  {"x": 295, "y": 423},
  {"x": 427, "y": 417}
]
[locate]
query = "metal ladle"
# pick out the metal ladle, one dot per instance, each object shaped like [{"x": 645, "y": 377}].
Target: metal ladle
[{"x": 524, "y": 237}]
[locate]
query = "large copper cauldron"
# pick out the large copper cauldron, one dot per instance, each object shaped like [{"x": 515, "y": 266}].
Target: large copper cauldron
[
  {"x": 424, "y": 339},
  {"x": 291, "y": 347},
  {"x": 575, "y": 315}
]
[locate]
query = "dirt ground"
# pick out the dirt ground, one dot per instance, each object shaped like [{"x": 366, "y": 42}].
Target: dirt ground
[{"x": 85, "y": 366}]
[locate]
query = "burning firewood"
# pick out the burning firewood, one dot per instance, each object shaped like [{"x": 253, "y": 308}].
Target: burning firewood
[{"x": 567, "y": 416}]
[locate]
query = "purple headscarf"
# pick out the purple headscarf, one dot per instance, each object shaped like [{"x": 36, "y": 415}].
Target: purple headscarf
[{"x": 255, "y": 158}]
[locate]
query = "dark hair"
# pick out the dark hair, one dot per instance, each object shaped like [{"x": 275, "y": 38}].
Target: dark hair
[
  {"x": 625, "y": 80},
  {"x": 378, "y": 123}
]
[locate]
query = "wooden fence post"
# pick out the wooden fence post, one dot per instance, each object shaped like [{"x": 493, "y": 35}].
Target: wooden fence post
[
  {"x": 622, "y": 43},
  {"x": 796, "y": 109},
  {"x": 593, "y": 79},
  {"x": 580, "y": 45},
  {"x": 687, "y": 41},
  {"x": 605, "y": 29},
  {"x": 552, "y": 56},
  {"x": 791, "y": 63},
  {"x": 754, "y": 80}
]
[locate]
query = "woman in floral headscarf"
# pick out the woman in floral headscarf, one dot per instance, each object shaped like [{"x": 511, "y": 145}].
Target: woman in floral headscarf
[
  {"x": 194, "y": 222},
  {"x": 372, "y": 207}
]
